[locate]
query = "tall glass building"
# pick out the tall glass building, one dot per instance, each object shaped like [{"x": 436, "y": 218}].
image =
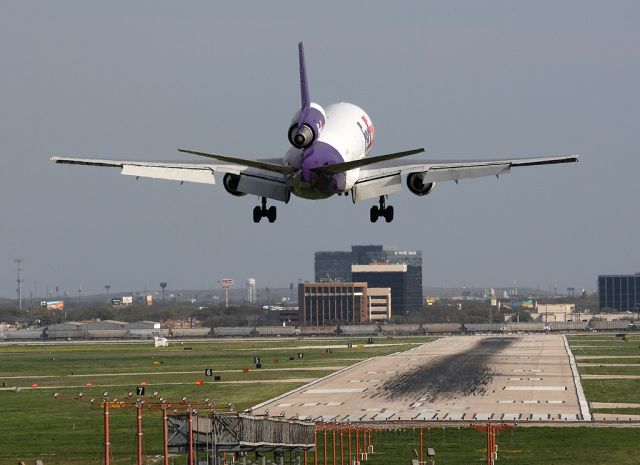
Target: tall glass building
[
  {"x": 335, "y": 267},
  {"x": 405, "y": 296},
  {"x": 619, "y": 292}
]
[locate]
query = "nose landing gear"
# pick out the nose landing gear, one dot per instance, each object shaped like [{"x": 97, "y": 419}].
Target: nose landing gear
[
  {"x": 260, "y": 212},
  {"x": 378, "y": 211}
]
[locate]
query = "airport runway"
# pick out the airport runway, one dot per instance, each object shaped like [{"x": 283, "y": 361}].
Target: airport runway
[{"x": 524, "y": 378}]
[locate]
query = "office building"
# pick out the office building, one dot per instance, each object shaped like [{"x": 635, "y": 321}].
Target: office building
[
  {"x": 336, "y": 267},
  {"x": 333, "y": 267},
  {"x": 379, "y": 303},
  {"x": 404, "y": 294},
  {"x": 619, "y": 292},
  {"x": 321, "y": 304}
]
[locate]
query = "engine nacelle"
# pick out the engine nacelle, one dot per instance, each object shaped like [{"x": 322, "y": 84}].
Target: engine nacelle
[
  {"x": 303, "y": 137},
  {"x": 416, "y": 184},
  {"x": 306, "y": 126},
  {"x": 230, "y": 182}
]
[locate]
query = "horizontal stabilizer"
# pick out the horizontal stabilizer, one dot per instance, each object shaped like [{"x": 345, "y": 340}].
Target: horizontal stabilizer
[
  {"x": 342, "y": 167},
  {"x": 241, "y": 161}
]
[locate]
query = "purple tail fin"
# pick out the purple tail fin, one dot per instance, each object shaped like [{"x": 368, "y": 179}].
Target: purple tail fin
[{"x": 304, "y": 87}]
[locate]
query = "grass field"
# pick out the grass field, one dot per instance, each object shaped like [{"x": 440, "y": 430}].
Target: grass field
[
  {"x": 524, "y": 446},
  {"x": 605, "y": 344},
  {"x": 608, "y": 390},
  {"x": 609, "y": 370},
  {"x": 612, "y": 390},
  {"x": 35, "y": 425},
  {"x": 618, "y": 360},
  {"x": 621, "y": 411}
]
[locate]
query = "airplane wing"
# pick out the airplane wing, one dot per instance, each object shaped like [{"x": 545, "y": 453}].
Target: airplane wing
[
  {"x": 258, "y": 177},
  {"x": 176, "y": 171},
  {"x": 384, "y": 179}
]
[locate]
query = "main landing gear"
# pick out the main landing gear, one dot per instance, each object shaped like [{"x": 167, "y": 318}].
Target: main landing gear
[
  {"x": 376, "y": 212},
  {"x": 260, "y": 212}
]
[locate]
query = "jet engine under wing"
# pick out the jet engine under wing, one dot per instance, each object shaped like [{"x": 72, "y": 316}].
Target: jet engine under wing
[
  {"x": 388, "y": 177},
  {"x": 175, "y": 171}
]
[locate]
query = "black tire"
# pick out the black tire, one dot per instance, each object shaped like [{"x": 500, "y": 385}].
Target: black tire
[
  {"x": 374, "y": 214},
  {"x": 257, "y": 214},
  {"x": 271, "y": 214},
  {"x": 388, "y": 214}
]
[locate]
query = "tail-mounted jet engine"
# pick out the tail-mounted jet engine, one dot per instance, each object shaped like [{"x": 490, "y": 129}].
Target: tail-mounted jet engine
[
  {"x": 306, "y": 126},
  {"x": 416, "y": 184},
  {"x": 230, "y": 182}
]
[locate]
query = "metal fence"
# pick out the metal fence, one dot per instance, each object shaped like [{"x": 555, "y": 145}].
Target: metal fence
[{"x": 240, "y": 432}]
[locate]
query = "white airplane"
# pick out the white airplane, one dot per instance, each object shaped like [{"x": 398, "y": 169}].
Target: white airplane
[{"x": 328, "y": 156}]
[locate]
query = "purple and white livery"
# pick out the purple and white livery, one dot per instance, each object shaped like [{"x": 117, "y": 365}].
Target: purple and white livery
[{"x": 328, "y": 156}]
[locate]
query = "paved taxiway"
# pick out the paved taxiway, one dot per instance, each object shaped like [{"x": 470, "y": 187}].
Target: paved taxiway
[{"x": 456, "y": 378}]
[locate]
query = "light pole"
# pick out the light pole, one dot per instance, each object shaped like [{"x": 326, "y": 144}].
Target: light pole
[{"x": 226, "y": 284}]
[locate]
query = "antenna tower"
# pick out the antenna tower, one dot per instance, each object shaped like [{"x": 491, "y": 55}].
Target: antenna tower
[{"x": 18, "y": 262}]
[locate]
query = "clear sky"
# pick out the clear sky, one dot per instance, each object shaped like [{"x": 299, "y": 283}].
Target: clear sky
[{"x": 463, "y": 79}]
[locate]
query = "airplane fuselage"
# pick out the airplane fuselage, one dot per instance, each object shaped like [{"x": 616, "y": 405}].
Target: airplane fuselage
[{"x": 346, "y": 135}]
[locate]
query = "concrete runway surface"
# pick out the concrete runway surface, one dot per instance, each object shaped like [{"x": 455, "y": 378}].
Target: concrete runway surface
[{"x": 524, "y": 378}]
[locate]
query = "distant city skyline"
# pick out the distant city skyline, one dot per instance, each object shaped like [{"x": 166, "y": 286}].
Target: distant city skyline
[
  {"x": 463, "y": 80},
  {"x": 241, "y": 291}
]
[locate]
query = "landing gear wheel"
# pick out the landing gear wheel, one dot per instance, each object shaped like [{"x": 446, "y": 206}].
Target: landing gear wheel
[
  {"x": 271, "y": 214},
  {"x": 381, "y": 210},
  {"x": 374, "y": 214},
  {"x": 388, "y": 214},
  {"x": 257, "y": 214},
  {"x": 261, "y": 211}
]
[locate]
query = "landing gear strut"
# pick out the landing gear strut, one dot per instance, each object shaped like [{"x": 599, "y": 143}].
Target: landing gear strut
[
  {"x": 260, "y": 212},
  {"x": 376, "y": 212}
]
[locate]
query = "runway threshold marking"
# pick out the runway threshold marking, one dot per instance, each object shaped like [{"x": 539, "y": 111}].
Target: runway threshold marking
[
  {"x": 535, "y": 388},
  {"x": 333, "y": 390}
]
